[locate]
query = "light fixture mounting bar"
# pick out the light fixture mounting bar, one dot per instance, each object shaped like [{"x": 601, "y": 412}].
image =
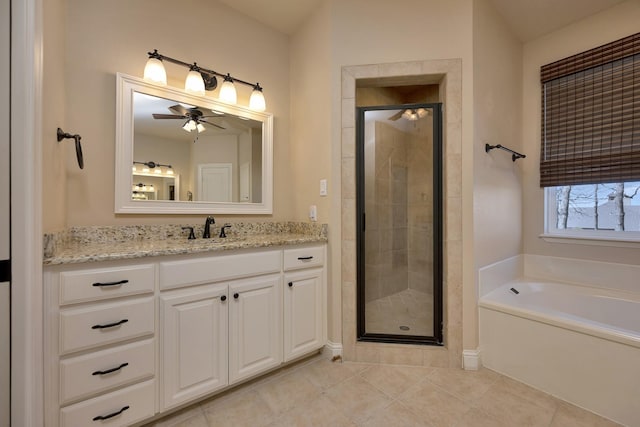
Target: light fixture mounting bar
[
  {"x": 151, "y": 164},
  {"x": 198, "y": 68}
]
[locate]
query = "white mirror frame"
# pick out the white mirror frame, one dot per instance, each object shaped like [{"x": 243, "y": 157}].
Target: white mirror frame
[{"x": 126, "y": 86}]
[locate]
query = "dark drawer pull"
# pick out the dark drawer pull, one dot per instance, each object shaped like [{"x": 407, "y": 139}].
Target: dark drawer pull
[
  {"x": 108, "y": 371},
  {"x": 236, "y": 295},
  {"x": 121, "y": 282},
  {"x": 113, "y": 414},
  {"x": 291, "y": 284},
  {"x": 110, "y": 325},
  {"x": 305, "y": 258}
]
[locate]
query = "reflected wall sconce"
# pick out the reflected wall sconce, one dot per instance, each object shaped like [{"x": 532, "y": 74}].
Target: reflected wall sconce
[
  {"x": 201, "y": 79},
  {"x": 153, "y": 167}
]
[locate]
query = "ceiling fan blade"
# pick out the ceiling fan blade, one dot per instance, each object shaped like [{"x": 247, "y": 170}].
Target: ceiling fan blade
[
  {"x": 212, "y": 124},
  {"x": 179, "y": 109},
  {"x": 167, "y": 116},
  {"x": 396, "y": 116}
]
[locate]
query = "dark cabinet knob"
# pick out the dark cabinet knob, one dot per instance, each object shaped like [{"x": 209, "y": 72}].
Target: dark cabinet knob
[
  {"x": 223, "y": 298},
  {"x": 291, "y": 284},
  {"x": 236, "y": 295}
]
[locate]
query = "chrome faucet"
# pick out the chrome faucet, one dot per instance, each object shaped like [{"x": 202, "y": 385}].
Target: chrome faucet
[{"x": 207, "y": 227}]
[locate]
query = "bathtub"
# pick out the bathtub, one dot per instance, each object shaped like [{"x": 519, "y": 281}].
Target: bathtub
[{"x": 578, "y": 343}]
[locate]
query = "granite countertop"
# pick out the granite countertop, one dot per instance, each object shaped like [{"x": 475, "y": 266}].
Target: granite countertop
[{"x": 107, "y": 243}]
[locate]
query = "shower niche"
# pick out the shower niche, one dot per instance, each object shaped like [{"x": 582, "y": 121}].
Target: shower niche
[{"x": 399, "y": 223}]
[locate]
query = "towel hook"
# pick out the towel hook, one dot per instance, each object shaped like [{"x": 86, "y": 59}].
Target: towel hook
[{"x": 65, "y": 135}]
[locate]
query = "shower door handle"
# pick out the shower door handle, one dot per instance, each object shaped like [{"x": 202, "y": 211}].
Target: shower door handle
[{"x": 5, "y": 270}]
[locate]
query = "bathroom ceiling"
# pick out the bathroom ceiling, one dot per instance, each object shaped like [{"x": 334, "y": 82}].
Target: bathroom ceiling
[
  {"x": 528, "y": 19},
  {"x": 532, "y": 19}
]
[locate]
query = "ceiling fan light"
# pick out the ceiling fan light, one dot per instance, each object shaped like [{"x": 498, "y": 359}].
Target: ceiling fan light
[
  {"x": 257, "y": 101},
  {"x": 228, "y": 92},
  {"x": 421, "y": 112},
  {"x": 201, "y": 128},
  {"x": 189, "y": 125},
  {"x": 194, "y": 83},
  {"x": 154, "y": 72}
]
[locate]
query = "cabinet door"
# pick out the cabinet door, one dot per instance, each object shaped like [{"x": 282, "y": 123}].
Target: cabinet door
[
  {"x": 303, "y": 312},
  {"x": 194, "y": 343},
  {"x": 255, "y": 326}
]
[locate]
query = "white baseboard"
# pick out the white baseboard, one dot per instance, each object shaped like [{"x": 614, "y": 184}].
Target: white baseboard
[
  {"x": 332, "y": 349},
  {"x": 471, "y": 360}
]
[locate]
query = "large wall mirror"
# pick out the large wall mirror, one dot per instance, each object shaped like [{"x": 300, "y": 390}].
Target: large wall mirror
[{"x": 178, "y": 153}]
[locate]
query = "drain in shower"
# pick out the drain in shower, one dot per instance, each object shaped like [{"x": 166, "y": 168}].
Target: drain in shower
[{"x": 404, "y": 328}]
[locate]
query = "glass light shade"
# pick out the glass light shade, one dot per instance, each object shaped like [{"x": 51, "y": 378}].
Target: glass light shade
[
  {"x": 194, "y": 83},
  {"x": 201, "y": 128},
  {"x": 157, "y": 170},
  {"x": 256, "y": 101},
  {"x": 154, "y": 72},
  {"x": 169, "y": 171},
  {"x": 189, "y": 125},
  {"x": 134, "y": 169},
  {"x": 228, "y": 92},
  {"x": 145, "y": 170}
]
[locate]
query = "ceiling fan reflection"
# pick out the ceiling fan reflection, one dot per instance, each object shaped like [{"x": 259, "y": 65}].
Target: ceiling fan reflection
[{"x": 194, "y": 118}]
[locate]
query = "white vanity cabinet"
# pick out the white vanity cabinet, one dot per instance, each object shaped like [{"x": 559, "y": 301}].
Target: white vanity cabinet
[
  {"x": 131, "y": 339},
  {"x": 194, "y": 324},
  {"x": 100, "y": 344},
  {"x": 211, "y": 305},
  {"x": 255, "y": 326},
  {"x": 304, "y": 301}
]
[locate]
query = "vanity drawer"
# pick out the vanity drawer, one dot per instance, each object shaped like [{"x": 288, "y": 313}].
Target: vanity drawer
[
  {"x": 174, "y": 274},
  {"x": 303, "y": 257},
  {"x": 98, "y": 324},
  {"x": 92, "y": 285},
  {"x": 119, "y": 408},
  {"x": 92, "y": 373}
]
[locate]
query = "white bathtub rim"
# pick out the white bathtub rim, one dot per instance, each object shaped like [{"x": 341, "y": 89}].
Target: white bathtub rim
[{"x": 566, "y": 321}]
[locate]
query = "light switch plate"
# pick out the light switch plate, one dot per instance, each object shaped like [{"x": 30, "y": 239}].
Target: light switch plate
[
  {"x": 323, "y": 187},
  {"x": 313, "y": 213}
]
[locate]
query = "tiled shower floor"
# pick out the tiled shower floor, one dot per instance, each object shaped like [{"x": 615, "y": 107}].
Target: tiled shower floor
[
  {"x": 395, "y": 313},
  {"x": 318, "y": 392}
]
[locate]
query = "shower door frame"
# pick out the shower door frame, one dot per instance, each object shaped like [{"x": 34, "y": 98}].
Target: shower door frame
[{"x": 438, "y": 159}]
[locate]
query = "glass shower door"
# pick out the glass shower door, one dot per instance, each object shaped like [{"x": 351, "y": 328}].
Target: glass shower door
[{"x": 399, "y": 231}]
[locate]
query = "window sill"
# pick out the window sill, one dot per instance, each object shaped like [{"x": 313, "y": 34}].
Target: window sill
[{"x": 592, "y": 240}]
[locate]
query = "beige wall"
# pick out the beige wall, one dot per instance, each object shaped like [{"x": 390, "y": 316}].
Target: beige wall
[
  {"x": 612, "y": 24},
  {"x": 103, "y": 38},
  {"x": 497, "y": 193},
  {"x": 356, "y": 32},
  {"x": 56, "y": 156}
]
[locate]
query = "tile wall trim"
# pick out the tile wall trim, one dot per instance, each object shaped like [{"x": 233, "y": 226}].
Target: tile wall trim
[{"x": 449, "y": 74}]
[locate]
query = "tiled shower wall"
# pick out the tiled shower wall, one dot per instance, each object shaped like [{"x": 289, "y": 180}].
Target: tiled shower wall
[
  {"x": 398, "y": 202},
  {"x": 448, "y": 74}
]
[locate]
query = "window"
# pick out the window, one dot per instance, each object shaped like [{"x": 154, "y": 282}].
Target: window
[
  {"x": 594, "y": 210},
  {"x": 590, "y": 150}
]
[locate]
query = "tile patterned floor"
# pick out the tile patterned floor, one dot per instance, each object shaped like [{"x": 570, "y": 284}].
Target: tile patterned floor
[
  {"x": 318, "y": 392},
  {"x": 410, "y": 308}
]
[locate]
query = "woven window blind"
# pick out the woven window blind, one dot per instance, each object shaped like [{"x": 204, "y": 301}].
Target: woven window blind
[{"x": 591, "y": 116}]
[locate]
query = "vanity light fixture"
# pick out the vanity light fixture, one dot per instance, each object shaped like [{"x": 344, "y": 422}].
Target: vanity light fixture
[
  {"x": 194, "y": 82},
  {"x": 201, "y": 79},
  {"x": 256, "y": 101},
  {"x": 154, "y": 71},
  {"x": 228, "y": 91},
  {"x": 157, "y": 168}
]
